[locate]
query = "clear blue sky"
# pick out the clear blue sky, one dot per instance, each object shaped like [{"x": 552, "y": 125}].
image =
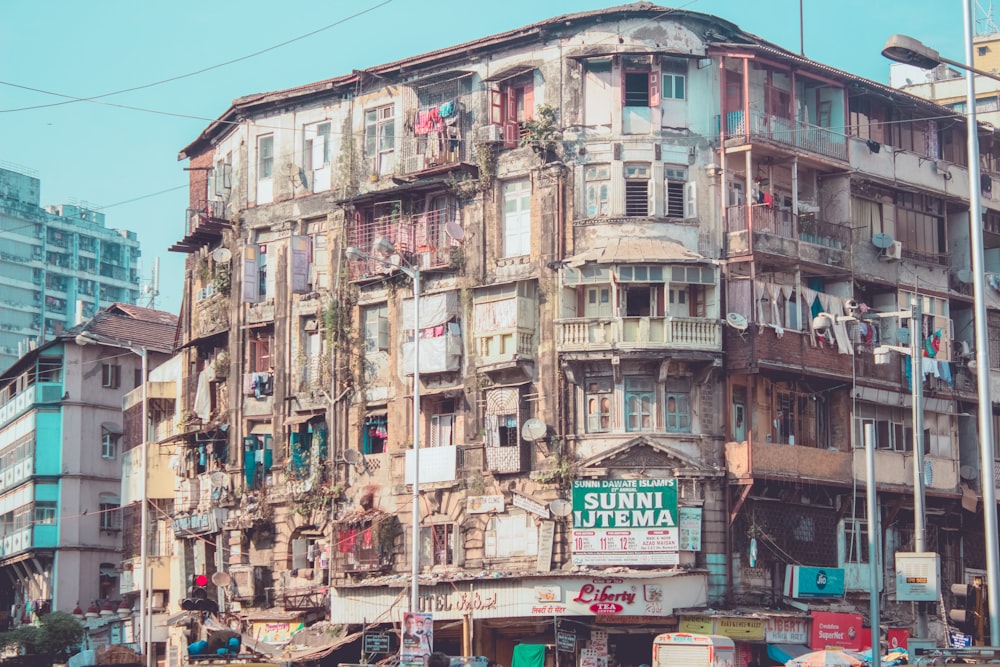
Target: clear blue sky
[{"x": 107, "y": 155}]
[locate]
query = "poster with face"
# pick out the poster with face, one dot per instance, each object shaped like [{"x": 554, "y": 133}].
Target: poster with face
[{"x": 417, "y": 640}]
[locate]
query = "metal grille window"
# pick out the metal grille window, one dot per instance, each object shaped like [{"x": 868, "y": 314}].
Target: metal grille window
[
  {"x": 442, "y": 535},
  {"x": 636, "y": 190},
  {"x": 994, "y": 339}
]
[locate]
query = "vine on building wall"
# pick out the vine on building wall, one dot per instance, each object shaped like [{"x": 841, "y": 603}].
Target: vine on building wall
[
  {"x": 542, "y": 133},
  {"x": 487, "y": 156}
]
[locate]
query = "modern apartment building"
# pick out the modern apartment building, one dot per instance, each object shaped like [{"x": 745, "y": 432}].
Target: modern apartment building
[
  {"x": 59, "y": 265},
  {"x": 660, "y": 264},
  {"x": 61, "y": 462}
]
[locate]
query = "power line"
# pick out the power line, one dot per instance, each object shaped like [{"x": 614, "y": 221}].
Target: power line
[{"x": 71, "y": 99}]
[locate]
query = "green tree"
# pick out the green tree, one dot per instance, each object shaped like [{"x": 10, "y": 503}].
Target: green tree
[{"x": 57, "y": 635}]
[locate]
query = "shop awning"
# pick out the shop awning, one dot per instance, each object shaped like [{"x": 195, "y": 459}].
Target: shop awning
[{"x": 784, "y": 652}]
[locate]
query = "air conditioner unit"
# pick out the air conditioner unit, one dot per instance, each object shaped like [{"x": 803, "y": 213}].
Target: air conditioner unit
[
  {"x": 489, "y": 134},
  {"x": 894, "y": 251}
]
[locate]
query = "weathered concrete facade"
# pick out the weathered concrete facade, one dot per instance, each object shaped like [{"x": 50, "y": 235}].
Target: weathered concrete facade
[{"x": 643, "y": 240}]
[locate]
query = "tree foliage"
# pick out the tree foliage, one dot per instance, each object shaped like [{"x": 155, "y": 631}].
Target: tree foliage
[{"x": 57, "y": 634}]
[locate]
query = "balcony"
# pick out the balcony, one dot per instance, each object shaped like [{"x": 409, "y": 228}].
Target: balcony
[
  {"x": 17, "y": 540},
  {"x": 203, "y": 225},
  {"x": 768, "y": 460},
  {"x": 212, "y": 315},
  {"x": 508, "y": 459},
  {"x": 780, "y": 232},
  {"x": 41, "y": 392},
  {"x": 785, "y": 133},
  {"x": 895, "y": 469},
  {"x": 760, "y": 348},
  {"x": 421, "y": 240},
  {"x": 607, "y": 333}
]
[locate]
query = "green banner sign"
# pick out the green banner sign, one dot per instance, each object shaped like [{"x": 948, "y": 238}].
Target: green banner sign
[{"x": 624, "y": 503}]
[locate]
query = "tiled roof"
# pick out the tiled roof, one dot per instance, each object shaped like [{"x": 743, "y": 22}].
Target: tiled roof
[{"x": 129, "y": 325}]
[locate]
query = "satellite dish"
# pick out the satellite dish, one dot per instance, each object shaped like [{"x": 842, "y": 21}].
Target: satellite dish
[
  {"x": 222, "y": 255},
  {"x": 561, "y": 507},
  {"x": 968, "y": 472},
  {"x": 822, "y": 321},
  {"x": 964, "y": 276},
  {"x": 882, "y": 241},
  {"x": 353, "y": 456},
  {"x": 737, "y": 321},
  {"x": 218, "y": 479},
  {"x": 454, "y": 230},
  {"x": 534, "y": 430},
  {"x": 221, "y": 579}
]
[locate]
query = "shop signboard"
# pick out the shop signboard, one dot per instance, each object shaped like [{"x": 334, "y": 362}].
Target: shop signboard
[
  {"x": 741, "y": 629},
  {"x": 918, "y": 576},
  {"x": 276, "y": 631},
  {"x": 566, "y": 641},
  {"x": 625, "y": 522},
  {"x": 690, "y": 528},
  {"x": 589, "y": 657},
  {"x": 814, "y": 582},
  {"x": 898, "y": 638},
  {"x": 697, "y": 625},
  {"x": 835, "y": 630},
  {"x": 376, "y": 643},
  {"x": 787, "y": 630}
]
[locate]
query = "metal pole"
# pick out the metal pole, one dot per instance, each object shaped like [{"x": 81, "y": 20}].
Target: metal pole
[
  {"x": 415, "y": 537},
  {"x": 144, "y": 633},
  {"x": 871, "y": 496},
  {"x": 917, "y": 398},
  {"x": 982, "y": 339}
]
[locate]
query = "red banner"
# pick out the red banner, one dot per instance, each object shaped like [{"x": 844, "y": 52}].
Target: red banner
[
  {"x": 898, "y": 638},
  {"x": 832, "y": 630}
]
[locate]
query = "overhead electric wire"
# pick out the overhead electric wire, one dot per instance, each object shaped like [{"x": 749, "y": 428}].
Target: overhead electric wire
[{"x": 177, "y": 77}]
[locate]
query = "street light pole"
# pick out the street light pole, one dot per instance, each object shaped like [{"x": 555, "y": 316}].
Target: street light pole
[
  {"x": 413, "y": 272},
  {"x": 910, "y": 51}
]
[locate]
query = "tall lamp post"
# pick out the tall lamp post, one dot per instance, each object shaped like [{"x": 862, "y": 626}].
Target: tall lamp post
[
  {"x": 145, "y": 615},
  {"x": 912, "y": 52},
  {"x": 385, "y": 247}
]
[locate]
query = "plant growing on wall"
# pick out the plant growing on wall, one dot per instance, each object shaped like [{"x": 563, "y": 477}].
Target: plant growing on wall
[{"x": 542, "y": 133}]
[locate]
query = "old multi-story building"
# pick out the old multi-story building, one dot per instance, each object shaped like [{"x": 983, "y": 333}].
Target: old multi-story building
[
  {"x": 655, "y": 257},
  {"x": 61, "y": 462},
  {"x": 59, "y": 265}
]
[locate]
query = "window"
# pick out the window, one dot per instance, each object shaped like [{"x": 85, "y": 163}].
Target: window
[
  {"x": 265, "y": 157},
  {"x": 597, "y": 302},
  {"x": 110, "y": 434},
  {"x": 262, "y": 271},
  {"x": 442, "y": 536},
  {"x": 374, "y": 434},
  {"x": 260, "y": 354},
  {"x": 920, "y": 226},
  {"x": 673, "y": 86},
  {"x": 45, "y": 512},
  {"x": 222, "y": 176},
  {"x": 517, "y": 218},
  {"x": 676, "y": 187},
  {"x": 641, "y": 89},
  {"x": 380, "y": 139},
  {"x": 376, "y": 323},
  {"x": 501, "y": 421},
  {"x": 598, "y": 189},
  {"x": 442, "y": 429},
  {"x": 993, "y": 319},
  {"x": 597, "y": 397},
  {"x": 111, "y": 376},
  {"x": 512, "y": 105},
  {"x": 316, "y": 146},
  {"x": 640, "y": 403},
  {"x": 637, "y": 189},
  {"x": 855, "y": 541},
  {"x": 110, "y": 512},
  {"x": 678, "y": 413}
]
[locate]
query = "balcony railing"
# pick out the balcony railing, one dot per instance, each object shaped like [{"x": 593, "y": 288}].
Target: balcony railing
[
  {"x": 420, "y": 240},
  {"x": 692, "y": 333},
  {"x": 785, "y": 132},
  {"x": 779, "y": 222}
]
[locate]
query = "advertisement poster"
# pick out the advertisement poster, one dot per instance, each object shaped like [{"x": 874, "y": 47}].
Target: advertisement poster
[
  {"x": 842, "y": 631},
  {"x": 625, "y": 522},
  {"x": 417, "y": 641}
]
